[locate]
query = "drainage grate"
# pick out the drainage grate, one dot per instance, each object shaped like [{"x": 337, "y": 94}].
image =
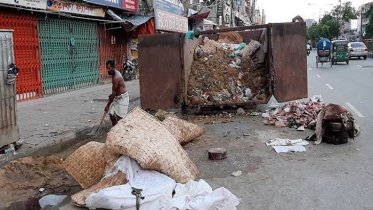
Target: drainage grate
[{"x": 367, "y": 67}]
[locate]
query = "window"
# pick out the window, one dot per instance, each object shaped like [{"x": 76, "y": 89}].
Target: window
[{"x": 358, "y": 45}]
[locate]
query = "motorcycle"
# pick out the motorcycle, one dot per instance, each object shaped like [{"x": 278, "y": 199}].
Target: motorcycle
[
  {"x": 130, "y": 69},
  {"x": 308, "y": 52}
]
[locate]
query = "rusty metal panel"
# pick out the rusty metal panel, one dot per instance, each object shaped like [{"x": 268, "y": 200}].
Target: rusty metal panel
[
  {"x": 9, "y": 132},
  {"x": 249, "y": 35},
  {"x": 188, "y": 53},
  {"x": 112, "y": 46},
  {"x": 160, "y": 65},
  {"x": 290, "y": 61}
]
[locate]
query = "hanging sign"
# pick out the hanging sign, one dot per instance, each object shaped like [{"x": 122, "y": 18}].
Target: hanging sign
[
  {"x": 36, "y": 4},
  {"x": 75, "y": 8},
  {"x": 166, "y": 21},
  {"x": 129, "y": 5}
]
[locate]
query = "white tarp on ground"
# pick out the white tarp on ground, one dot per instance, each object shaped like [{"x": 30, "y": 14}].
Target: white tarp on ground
[
  {"x": 287, "y": 145},
  {"x": 199, "y": 195},
  {"x": 157, "y": 190}
]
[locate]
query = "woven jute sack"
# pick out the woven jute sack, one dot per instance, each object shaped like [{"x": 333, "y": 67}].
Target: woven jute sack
[
  {"x": 142, "y": 137},
  {"x": 110, "y": 158},
  {"x": 87, "y": 164},
  {"x": 80, "y": 197},
  {"x": 182, "y": 130}
]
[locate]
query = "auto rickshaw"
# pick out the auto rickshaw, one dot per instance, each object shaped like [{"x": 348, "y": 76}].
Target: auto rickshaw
[{"x": 340, "y": 51}]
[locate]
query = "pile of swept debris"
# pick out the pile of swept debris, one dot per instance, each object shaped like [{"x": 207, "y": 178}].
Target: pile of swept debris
[
  {"x": 228, "y": 71},
  {"x": 333, "y": 123},
  {"x": 298, "y": 115}
]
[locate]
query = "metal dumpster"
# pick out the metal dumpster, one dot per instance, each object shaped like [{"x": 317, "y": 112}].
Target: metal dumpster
[
  {"x": 9, "y": 132},
  {"x": 165, "y": 62}
]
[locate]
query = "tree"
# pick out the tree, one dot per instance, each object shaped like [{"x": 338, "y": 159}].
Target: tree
[
  {"x": 325, "y": 31},
  {"x": 326, "y": 18},
  {"x": 369, "y": 27},
  {"x": 329, "y": 26},
  {"x": 314, "y": 32},
  {"x": 344, "y": 12}
]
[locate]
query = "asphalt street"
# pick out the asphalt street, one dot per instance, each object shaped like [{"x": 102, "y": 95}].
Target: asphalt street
[{"x": 349, "y": 85}]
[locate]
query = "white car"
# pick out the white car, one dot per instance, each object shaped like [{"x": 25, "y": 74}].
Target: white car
[{"x": 358, "y": 50}]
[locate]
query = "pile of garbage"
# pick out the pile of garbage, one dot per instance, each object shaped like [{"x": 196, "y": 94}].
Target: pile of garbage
[
  {"x": 143, "y": 166},
  {"x": 228, "y": 70},
  {"x": 298, "y": 115}
]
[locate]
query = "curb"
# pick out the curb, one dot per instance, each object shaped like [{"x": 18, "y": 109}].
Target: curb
[{"x": 66, "y": 139}]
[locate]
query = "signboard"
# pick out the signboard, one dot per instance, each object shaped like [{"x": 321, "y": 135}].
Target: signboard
[
  {"x": 219, "y": 13},
  {"x": 171, "y": 6},
  {"x": 220, "y": 9},
  {"x": 227, "y": 13},
  {"x": 37, "y": 4},
  {"x": 248, "y": 8},
  {"x": 166, "y": 21},
  {"x": 129, "y": 5},
  {"x": 132, "y": 52},
  {"x": 75, "y": 8},
  {"x": 353, "y": 24}
]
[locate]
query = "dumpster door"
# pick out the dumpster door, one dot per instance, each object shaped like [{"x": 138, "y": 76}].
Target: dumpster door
[
  {"x": 160, "y": 67},
  {"x": 290, "y": 61}
]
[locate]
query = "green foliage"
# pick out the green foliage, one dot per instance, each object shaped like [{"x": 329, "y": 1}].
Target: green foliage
[
  {"x": 329, "y": 26},
  {"x": 369, "y": 27},
  {"x": 344, "y": 12}
]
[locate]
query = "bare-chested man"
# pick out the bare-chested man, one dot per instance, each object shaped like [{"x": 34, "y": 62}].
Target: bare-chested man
[{"x": 117, "y": 107}]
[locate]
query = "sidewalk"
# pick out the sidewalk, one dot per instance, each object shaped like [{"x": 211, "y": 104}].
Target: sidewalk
[{"x": 63, "y": 117}]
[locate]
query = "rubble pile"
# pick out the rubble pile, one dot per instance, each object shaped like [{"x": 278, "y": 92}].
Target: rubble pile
[
  {"x": 223, "y": 72},
  {"x": 299, "y": 115}
]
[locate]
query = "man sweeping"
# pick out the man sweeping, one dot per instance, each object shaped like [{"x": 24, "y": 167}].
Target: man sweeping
[{"x": 117, "y": 106}]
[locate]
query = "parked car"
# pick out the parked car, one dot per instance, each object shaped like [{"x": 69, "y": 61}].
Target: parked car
[{"x": 358, "y": 50}]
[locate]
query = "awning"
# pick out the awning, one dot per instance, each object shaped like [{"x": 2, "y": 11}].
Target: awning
[
  {"x": 202, "y": 14},
  {"x": 137, "y": 20},
  {"x": 129, "y": 23}
]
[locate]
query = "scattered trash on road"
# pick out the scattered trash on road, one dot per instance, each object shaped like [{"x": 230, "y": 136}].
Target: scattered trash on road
[
  {"x": 236, "y": 173},
  {"x": 287, "y": 145},
  {"x": 335, "y": 125},
  {"x": 298, "y": 115},
  {"x": 217, "y": 153},
  {"x": 240, "y": 111},
  {"x": 51, "y": 200}
]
